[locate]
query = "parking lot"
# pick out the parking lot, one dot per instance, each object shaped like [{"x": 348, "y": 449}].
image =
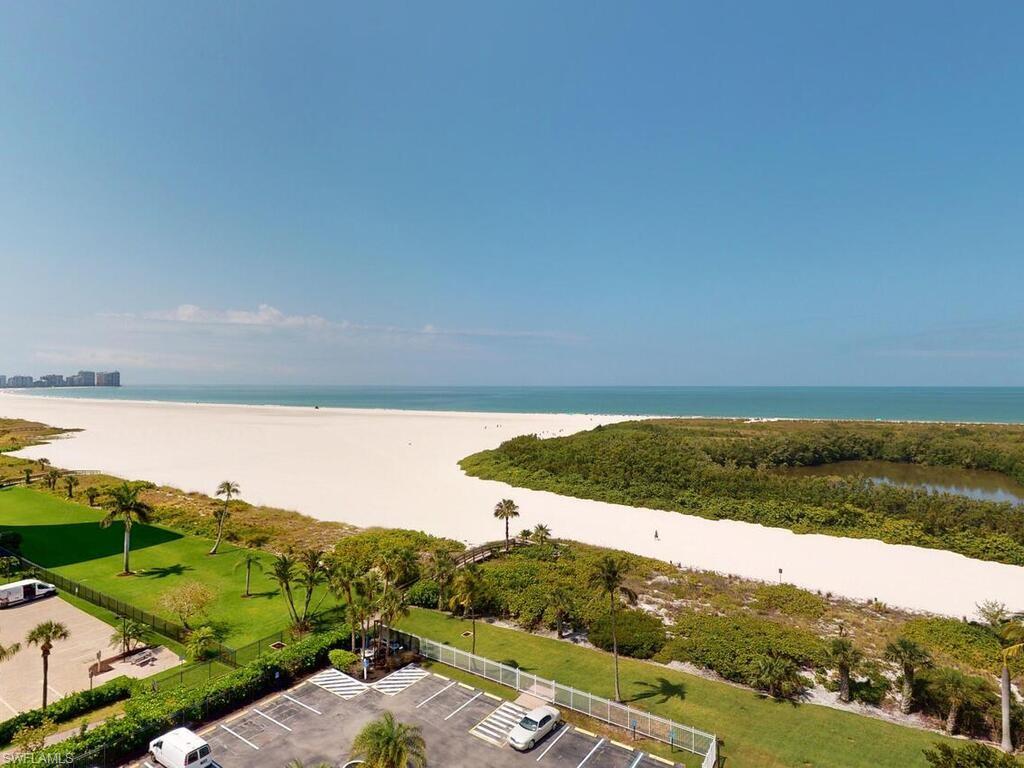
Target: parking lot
[{"x": 462, "y": 726}]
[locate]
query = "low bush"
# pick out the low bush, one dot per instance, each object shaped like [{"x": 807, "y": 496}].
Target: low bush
[
  {"x": 149, "y": 714},
  {"x": 969, "y": 755},
  {"x": 639, "y": 634},
  {"x": 731, "y": 645},
  {"x": 789, "y": 600},
  {"x": 68, "y": 708},
  {"x": 424, "y": 593},
  {"x": 971, "y": 645},
  {"x": 341, "y": 659}
]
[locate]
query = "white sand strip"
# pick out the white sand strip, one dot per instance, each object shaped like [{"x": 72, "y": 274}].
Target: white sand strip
[{"x": 399, "y": 469}]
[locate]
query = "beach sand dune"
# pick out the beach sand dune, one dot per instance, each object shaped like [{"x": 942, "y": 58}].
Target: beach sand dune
[{"x": 400, "y": 469}]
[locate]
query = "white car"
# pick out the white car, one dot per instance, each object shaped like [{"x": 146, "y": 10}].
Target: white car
[{"x": 535, "y": 725}]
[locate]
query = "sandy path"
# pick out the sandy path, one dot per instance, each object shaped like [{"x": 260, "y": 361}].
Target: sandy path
[{"x": 399, "y": 468}]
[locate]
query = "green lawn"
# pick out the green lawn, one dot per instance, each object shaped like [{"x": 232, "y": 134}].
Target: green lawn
[
  {"x": 755, "y": 733},
  {"x": 66, "y": 537}
]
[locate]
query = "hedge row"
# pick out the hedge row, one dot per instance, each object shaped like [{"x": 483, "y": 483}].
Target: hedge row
[
  {"x": 69, "y": 707},
  {"x": 147, "y": 715}
]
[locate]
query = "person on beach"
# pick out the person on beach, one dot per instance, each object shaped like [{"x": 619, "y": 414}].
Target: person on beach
[{"x": 655, "y": 534}]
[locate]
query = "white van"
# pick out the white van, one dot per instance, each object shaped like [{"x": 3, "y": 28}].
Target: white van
[
  {"x": 181, "y": 748},
  {"x": 24, "y": 590}
]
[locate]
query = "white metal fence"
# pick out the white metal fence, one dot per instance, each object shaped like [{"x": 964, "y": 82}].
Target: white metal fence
[{"x": 636, "y": 721}]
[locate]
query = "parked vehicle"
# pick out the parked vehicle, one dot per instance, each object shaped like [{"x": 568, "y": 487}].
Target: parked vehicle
[
  {"x": 535, "y": 725},
  {"x": 24, "y": 590},
  {"x": 181, "y": 748}
]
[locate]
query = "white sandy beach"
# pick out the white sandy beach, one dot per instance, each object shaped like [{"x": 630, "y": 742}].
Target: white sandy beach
[{"x": 399, "y": 468}]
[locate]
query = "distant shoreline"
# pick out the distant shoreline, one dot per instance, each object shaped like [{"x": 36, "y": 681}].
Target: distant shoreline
[
  {"x": 967, "y": 405},
  {"x": 461, "y": 412}
]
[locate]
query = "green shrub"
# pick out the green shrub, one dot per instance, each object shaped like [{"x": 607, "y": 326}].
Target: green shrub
[
  {"x": 68, "y": 708},
  {"x": 639, "y": 634},
  {"x": 727, "y": 469},
  {"x": 424, "y": 593},
  {"x": 969, "y": 755},
  {"x": 971, "y": 645},
  {"x": 790, "y": 600},
  {"x": 149, "y": 714},
  {"x": 731, "y": 645},
  {"x": 341, "y": 659}
]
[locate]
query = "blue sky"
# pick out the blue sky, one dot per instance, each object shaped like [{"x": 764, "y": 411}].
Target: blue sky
[{"x": 518, "y": 193}]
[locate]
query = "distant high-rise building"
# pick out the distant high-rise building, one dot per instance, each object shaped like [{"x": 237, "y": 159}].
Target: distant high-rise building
[
  {"x": 108, "y": 379},
  {"x": 83, "y": 379},
  {"x": 19, "y": 381},
  {"x": 52, "y": 380},
  {"x": 3, "y": 380}
]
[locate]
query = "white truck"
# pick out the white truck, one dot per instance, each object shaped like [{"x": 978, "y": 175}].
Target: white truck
[
  {"x": 181, "y": 748},
  {"x": 23, "y": 591}
]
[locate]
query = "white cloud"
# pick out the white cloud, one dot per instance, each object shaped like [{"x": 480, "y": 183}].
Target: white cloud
[{"x": 264, "y": 316}]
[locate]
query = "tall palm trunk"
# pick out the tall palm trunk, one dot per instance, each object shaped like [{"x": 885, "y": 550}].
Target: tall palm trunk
[
  {"x": 248, "y": 576},
  {"x": 844, "y": 684},
  {"x": 954, "y": 712},
  {"x": 220, "y": 529},
  {"x": 506, "y": 534},
  {"x": 472, "y": 618},
  {"x": 46, "y": 670},
  {"x": 127, "y": 545},
  {"x": 1004, "y": 685},
  {"x": 908, "y": 691},
  {"x": 615, "y": 650},
  {"x": 351, "y": 626}
]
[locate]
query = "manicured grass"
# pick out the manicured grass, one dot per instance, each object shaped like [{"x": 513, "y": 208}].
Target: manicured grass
[
  {"x": 66, "y": 537},
  {"x": 755, "y": 733}
]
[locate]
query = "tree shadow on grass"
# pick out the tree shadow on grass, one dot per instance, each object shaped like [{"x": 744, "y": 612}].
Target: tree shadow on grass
[
  {"x": 162, "y": 572},
  {"x": 663, "y": 690},
  {"x": 53, "y": 546}
]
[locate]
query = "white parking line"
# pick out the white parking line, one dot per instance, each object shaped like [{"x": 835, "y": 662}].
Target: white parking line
[
  {"x": 240, "y": 738},
  {"x": 296, "y": 701},
  {"x": 436, "y": 694},
  {"x": 591, "y": 753},
  {"x": 464, "y": 705},
  {"x": 275, "y": 722},
  {"x": 639, "y": 757},
  {"x": 561, "y": 733}
]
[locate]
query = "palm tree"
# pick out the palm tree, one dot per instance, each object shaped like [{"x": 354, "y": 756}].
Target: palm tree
[
  {"x": 955, "y": 688},
  {"x": 395, "y": 565},
  {"x": 442, "y": 571},
  {"x": 8, "y": 651},
  {"x": 393, "y": 606},
  {"x": 910, "y": 657},
  {"x": 52, "y": 476},
  {"x": 363, "y": 605},
  {"x": 777, "y": 674},
  {"x": 70, "y": 482},
  {"x": 198, "y": 642},
  {"x": 129, "y": 635},
  {"x": 541, "y": 534},
  {"x": 342, "y": 581},
  {"x": 468, "y": 592},
  {"x": 505, "y": 510},
  {"x": 28, "y": 475},
  {"x": 1010, "y": 634},
  {"x": 42, "y": 464},
  {"x": 387, "y": 743},
  {"x": 563, "y": 604},
  {"x": 312, "y": 573},
  {"x": 283, "y": 570},
  {"x": 91, "y": 494},
  {"x": 227, "y": 489},
  {"x": 610, "y": 579},
  {"x": 45, "y": 635},
  {"x": 845, "y": 657},
  {"x": 124, "y": 504},
  {"x": 250, "y": 559}
]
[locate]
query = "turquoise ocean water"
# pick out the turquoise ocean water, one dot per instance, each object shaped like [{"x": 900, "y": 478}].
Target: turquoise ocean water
[{"x": 993, "y": 404}]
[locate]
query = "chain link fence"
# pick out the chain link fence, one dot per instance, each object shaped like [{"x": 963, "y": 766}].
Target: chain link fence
[{"x": 636, "y": 721}]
